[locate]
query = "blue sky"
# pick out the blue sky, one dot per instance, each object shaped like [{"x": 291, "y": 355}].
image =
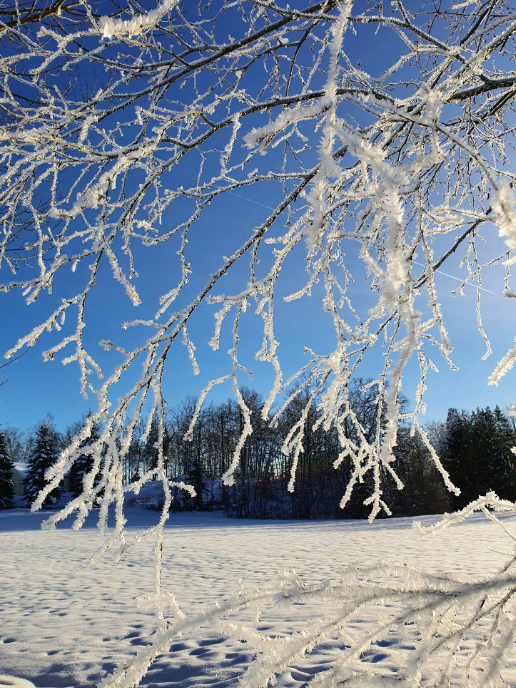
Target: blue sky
[{"x": 35, "y": 388}]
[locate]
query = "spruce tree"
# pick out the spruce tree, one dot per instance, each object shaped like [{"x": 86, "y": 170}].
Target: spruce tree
[
  {"x": 424, "y": 492},
  {"x": 6, "y": 475},
  {"x": 44, "y": 454},
  {"x": 483, "y": 470},
  {"x": 477, "y": 454},
  {"x": 150, "y": 450},
  {"x": 197, "y": 478},
  {"x": 83, "y": 464},
  {"x": 457, "y": 455},
  {"x": 505, "y": 459},
  {"x": 491, "y": 464},
  {"x": 150, "y": 453}
]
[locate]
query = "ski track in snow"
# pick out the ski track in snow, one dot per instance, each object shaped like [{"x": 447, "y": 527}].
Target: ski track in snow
[{"x": 63, "y": 624}]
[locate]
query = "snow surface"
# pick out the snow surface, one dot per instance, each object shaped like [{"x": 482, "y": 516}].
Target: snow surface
[
  {"x": 10, "y": 682},
  {"x": 63, "y": 624}
]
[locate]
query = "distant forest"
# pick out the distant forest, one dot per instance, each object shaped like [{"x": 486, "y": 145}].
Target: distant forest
[{"x": 474, "y": 448}]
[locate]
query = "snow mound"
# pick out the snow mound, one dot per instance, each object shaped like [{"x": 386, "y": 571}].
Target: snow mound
[{"x": 14, "y": 682}]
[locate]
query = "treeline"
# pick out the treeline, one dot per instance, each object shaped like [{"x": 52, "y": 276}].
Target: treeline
[
  {"x": 261, "y": 480},
  {"x": 475, "y": 449}
]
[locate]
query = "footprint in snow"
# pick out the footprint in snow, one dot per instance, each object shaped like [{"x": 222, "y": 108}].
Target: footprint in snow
[
  {"x": 373, "y": 657},
  {"x": 211, "y": 641}
]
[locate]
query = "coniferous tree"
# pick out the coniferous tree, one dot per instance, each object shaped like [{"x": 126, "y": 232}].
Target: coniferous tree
[
  {"x": 45, "y": 451},
  {"x": 6, "y": 475},
  {"x": 150, "y": 452},
  {"x": 477, "y": 454},
  {"x": 83, "y": 464},
  {"x": 456, "y": 455},
  {"x": 492, "y": 464},
  {"x": 424, "y": 492},
  {"x": 505, "y": 440},
  {"x": 134, "y": 457},
  {"x": 196, "y": 477},
  {"x": 476, "y": 467}
]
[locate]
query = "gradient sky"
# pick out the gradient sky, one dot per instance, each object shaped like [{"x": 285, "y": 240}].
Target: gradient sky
[{"x": 35, "y": 388}]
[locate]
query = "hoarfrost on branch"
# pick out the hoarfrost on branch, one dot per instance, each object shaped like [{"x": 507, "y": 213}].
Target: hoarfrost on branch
[{"x": 104, "y": 117}]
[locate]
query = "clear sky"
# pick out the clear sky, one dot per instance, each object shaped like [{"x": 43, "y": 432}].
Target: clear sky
[{"x": 35, "y": 388}]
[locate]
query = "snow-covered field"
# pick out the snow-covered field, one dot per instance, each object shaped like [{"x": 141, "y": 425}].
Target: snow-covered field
[{"x": 64, "y": 624}]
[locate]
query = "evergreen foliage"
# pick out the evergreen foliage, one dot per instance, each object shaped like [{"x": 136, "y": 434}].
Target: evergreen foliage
[
  {"x": 477, "y": 454},
  {"x": 6, "y": 475},
  {"x": 83, "y": 464},
  {"x": 424, "y": 492},
  {"x": 150, "y": 451},
  {"x": 45, "y": 451},
  {"x": 196, "y": 477}
]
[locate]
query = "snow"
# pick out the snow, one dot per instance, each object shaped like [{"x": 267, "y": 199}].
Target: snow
[
  {"x": 66, "y": 625},
  {"x": 119, "y": 27},
  {"x": 22, "y": 468},
  {"x": 14, "y": 682}
]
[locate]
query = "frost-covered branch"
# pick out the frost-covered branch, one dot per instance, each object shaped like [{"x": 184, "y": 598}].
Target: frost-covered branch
[{"x": 122, "y": 131}]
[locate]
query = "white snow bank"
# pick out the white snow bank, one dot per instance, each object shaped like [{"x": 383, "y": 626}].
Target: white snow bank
[
  {"x": 63, "y": 624},
  {"x": 13, "y": 682}
]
